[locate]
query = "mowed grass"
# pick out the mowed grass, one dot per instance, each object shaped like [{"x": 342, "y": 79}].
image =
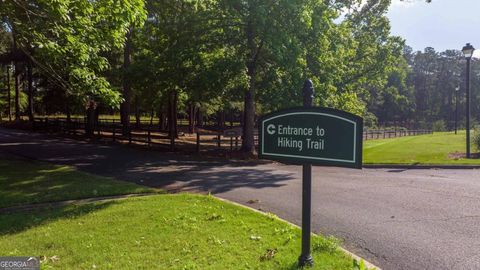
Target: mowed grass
[
  {"x": 161, "y": 231},
  {"x": 424, "y": 149},
  {"x": 181, "y": 231},
  {"x": 27, "y": 182}
]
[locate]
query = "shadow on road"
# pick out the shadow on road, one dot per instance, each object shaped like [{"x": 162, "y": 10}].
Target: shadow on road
[{"x": 171, "y": 171}]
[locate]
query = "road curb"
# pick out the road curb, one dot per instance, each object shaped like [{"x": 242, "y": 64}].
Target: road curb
[
  {"x": 368, "y": 264},
  {"x": 421, "y": 167}
]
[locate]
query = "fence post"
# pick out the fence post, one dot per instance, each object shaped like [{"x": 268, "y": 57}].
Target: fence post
[
  {"x": 219, "y": 143},
  {"x": 113, "y": 131},
  {"x": 198, "y": 142},
  {"x": 148, "y": 137},
  {"x": 172, "y": 143},
  {"x": 129, "y": 136}
]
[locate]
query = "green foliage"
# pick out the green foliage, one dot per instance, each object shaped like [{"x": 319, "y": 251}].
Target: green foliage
[
  {"x": 422, "y": 89},
  {"x": 370, "y": 121},
  {"x": 439, "y": 126},
  {"x": 329, "y": 244},
  {"x": 476, "y": 138},
  {"x": 360, "y": 265},
  {"x": 66, "y": 40},
  {"x": 212, "y": 52}
]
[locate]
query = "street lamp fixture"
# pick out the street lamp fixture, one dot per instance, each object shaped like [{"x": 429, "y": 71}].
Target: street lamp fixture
[{"x": 468, "y": 53}]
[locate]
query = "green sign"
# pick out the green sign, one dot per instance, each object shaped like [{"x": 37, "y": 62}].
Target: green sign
[{"x": 319, "y": 136}]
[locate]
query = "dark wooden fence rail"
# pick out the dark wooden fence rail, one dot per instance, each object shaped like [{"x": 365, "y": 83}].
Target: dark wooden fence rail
[
  {"x": 150, "y": 133},
  {"x": 385, "y": 134},
  {"x": 145, "y": 132}
]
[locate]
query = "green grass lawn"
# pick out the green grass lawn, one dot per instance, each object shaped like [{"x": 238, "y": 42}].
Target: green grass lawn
[
  {"x": 26, "y": 182},
  {"x": 424, "y": 149},
  {"x": 182, "y": 231}
]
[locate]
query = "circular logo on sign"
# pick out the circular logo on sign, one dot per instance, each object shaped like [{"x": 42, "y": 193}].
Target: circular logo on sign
[{"x": 271, "y": 129}]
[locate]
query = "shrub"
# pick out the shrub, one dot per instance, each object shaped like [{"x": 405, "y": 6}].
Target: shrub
[
  {"x": 370, "y": 121},
  {"x": 439, "y": 125},
  {"x": 476, "y": 138},
  {"x": 328, "y": 244}
]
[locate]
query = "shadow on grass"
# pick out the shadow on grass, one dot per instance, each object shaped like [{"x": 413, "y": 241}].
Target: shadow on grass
[
  {"x": 25, "y": 182},
  {"x": 18, "y": 222}
]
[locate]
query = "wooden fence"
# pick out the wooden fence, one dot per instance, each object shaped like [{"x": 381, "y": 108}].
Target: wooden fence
[
  {"x": 149, "y": 134},
  {"x": 146, "y": 133},
  {"x": 387, "y": 133}
]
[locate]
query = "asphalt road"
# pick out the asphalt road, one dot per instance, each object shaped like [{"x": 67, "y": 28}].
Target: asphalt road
[{"x": 397, "y": 219}]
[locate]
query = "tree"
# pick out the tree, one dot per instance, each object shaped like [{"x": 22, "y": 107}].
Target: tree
[
  {"x": 266, "y": 36},
  {"x": 66, "y": 40}
]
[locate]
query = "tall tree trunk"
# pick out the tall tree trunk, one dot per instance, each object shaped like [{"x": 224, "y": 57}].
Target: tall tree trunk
[
  {"x": 96, "y": 120},
  {"x": 125, "y": 106},
  {"x": 171, "y": 112},
  {"x": 9, "y": 95},
  {"x": 221, "y": 119},
  {"x": 17, "y": 94},
  {"x": 161, "y": 118},
  {"x": 175, "y": 114},
  {"x": 242, "y": 117},
  {"x": 137, "y": 113},
  {"x": 67, "y": 109},
  {"x": 17, "y": 89},
  {"x": 30, "y": 92},
  {"x": 90, "y": 124},
  {"x": 152, "y": 114},
  {"x": 191, "y": 117},
  {"x": 172, "y": 118},
  {"x": 248, "y": 143},
  {"x": 199, "y": 117}
]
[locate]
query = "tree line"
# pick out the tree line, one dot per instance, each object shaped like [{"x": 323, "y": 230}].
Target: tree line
[
  {"x": 427, "y": 87},
  {"x": 205, "y": 58}
]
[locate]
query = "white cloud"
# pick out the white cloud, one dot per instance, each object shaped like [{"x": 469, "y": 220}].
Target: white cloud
[{"x": 476, "y": 54}]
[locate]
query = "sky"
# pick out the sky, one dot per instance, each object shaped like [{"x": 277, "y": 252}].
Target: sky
[{"x": 441, "y": 24}]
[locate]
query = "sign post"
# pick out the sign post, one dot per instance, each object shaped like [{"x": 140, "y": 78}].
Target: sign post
[
  {"x": 311, "y": 135},
  {"x": 306, "y": 257}
]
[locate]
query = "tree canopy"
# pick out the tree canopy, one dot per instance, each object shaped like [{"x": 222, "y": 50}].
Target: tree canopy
[
  {"x": 67, "y": 39},
  {"x": 208, "y": 57}
]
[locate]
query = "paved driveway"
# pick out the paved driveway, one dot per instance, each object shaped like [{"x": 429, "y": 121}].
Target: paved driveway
[{"x": 397, "y": 219}]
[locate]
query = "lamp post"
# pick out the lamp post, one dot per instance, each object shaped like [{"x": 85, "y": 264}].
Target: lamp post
[
  {"x": 468, "y": 53},
  {"x": 457, "y": 89}
]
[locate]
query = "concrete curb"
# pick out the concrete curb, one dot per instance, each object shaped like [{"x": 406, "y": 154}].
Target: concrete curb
[
  {"x": 368, "y": 264},
  {"x": 421, "y": 167}
]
